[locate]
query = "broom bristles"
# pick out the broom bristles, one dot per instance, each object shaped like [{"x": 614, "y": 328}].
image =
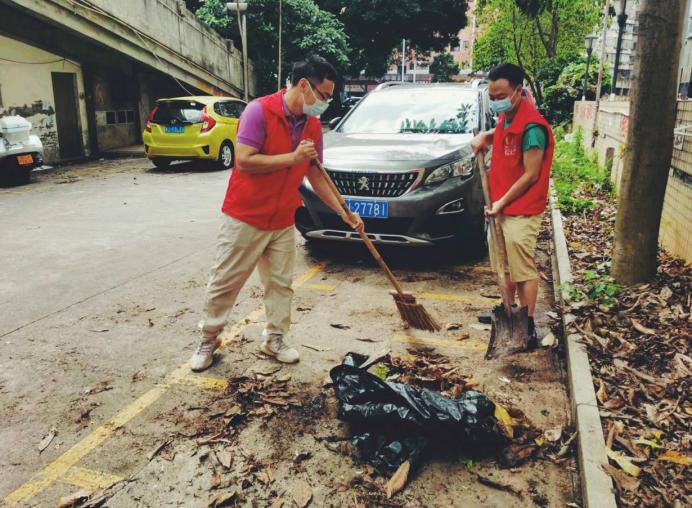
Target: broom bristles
[{"x": 414, "y": 313}]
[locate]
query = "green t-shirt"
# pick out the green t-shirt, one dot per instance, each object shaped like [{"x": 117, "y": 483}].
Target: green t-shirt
[{"x": 534, "y": 137}]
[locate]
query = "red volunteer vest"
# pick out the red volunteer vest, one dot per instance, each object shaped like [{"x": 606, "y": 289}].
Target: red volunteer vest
[
  {"x": 507, "y": 162},
  {"x": 269, "y": 201}
]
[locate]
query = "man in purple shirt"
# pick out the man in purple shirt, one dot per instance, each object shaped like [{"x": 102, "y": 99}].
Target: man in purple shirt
[{"x": 278, "y": 137}]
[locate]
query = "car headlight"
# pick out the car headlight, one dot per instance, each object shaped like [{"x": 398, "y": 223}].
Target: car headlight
[{"x": 462, "y": 167}]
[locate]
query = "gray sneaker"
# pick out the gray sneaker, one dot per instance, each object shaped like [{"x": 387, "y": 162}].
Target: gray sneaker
[
  {"x": 204, "y": 356},
  {"x": 273, "y": 345}
]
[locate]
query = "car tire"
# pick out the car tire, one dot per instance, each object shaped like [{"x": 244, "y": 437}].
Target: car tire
[
  {"x": 226, "y": 156},
  {"x": 161, "y": 163}
]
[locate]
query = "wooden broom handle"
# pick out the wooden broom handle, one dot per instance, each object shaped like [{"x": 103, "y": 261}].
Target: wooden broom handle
[
  {"x": 363, "y": 236},
  {"x": 496, "y": 235}
]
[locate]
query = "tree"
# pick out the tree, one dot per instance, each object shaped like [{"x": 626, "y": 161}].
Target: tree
[
  {"x": 541, "y": 36},
  {"x": 649, "y": 141},
  {"x": 443, "y": 66},
  {"x": 306, "y": 29},
  {"x": 376, "y": 28},
  {"x": 558, "y": 99}
]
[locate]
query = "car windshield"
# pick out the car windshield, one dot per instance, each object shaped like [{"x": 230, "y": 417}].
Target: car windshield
[
  {"x": 419, "y": 110},
  {"x": 178, "y": 112}
]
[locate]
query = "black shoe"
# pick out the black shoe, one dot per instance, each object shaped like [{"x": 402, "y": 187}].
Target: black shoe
[{"x": 533, "y": 342}]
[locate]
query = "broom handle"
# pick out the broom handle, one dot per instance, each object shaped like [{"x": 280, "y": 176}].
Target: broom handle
[
  {"x": 363, "y": 236},
  {"x": 498, "y": 239}
]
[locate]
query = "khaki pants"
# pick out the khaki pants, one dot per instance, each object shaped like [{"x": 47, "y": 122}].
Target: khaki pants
[
  {"x": 240, "y": 249},
  {"x": 520, "y": 233}
]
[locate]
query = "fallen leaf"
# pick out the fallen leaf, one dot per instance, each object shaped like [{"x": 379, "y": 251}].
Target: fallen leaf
[
  {"x": 74, "y": 499},
  {"x": 641, "y": 328},
  {"x": 453, "y": 326},
  {"x": 649, "y": 443},
  {"x": 284, "y": 378},
  {"x": 225, "y": 499},
  {"x": 278, "y": 503},
  {"x": 339, "y": 326},
  {"x": 506, "y": 422},
  {"x": 601, "y": 394},
  {"x": 367, "y": 340},
  {"x": 624, "y": 462},
  {"x": 549, "y": 340},
  {"x": 215, "y": 479},
  {"x": 225, "y": 458},
  {"x": 302, "y": 493},
  {"x": 103, "y": 386},
  {"x": 398, "y": 480},
  {"x": 624, "y": 481},
  {"x": 47, "y": 439},
  {"x": 138, "y": 376},
  {"x": 463, "y": 336},
  {"x": 553, "y": 435},
  {"x": 98, "y": 330},
  {"x": 676, "y": 458}
]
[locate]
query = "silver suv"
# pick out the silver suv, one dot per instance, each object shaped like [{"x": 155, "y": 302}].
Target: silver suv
[{"x": 403, "y": 161}]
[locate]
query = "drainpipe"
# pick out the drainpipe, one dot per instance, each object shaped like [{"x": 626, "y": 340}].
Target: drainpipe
[{"x": 622, "y": 21}]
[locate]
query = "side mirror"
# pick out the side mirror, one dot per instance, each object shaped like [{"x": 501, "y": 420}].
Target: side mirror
[{"x": 334, "y": 122}]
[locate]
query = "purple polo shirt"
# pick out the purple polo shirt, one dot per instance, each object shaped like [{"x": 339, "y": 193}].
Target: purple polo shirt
[{"x": 252, "y": 130}]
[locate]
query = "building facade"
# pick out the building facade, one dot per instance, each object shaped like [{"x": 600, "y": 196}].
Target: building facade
[{"x": 86, "y": 73}]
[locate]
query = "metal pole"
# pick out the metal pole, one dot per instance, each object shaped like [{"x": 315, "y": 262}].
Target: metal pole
[
  {"x": 245, "y": 69},
  {"x": 280, "y": 22},
  {"x": 415, "y": 61},
  {"x": 403, "y": 60},
  {"x": 599, "y": 83},
  {"x": 622, "y": 20},
  {"x": 586, "y": 76}
]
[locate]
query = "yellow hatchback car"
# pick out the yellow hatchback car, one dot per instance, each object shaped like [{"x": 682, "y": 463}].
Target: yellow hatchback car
[{"x": 190, "y": 128}]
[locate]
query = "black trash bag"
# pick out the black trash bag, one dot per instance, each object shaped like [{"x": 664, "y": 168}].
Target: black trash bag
[{"x": 395, "y": 422}]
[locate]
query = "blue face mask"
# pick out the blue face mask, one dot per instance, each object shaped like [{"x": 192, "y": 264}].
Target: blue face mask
[
  {"x": 317, "y": 108},
  {"x": 501, "y": 105}
]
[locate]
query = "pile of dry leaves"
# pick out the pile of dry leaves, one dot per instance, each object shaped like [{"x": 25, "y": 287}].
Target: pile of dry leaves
[{"x": 638, "y": 340}]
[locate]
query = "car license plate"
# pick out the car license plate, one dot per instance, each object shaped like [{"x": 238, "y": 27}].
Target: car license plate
[
  {"x": 369, "y": 209},
  {"x": 23, "y": 160},
  {"x": 174, "y": 129}
]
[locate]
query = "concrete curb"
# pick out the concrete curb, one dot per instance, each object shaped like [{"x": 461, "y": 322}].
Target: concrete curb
[{"x": 596, "y": 484}]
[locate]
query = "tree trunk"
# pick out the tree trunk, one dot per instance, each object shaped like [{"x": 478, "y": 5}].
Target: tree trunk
[{"x": 649, "y": 141}]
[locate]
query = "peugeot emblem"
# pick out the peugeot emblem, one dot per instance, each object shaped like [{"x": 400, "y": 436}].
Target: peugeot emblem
[{"x": 363, "y": 183}]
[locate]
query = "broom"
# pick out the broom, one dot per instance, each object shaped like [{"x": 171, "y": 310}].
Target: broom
[{"x": 412, "y": 313}]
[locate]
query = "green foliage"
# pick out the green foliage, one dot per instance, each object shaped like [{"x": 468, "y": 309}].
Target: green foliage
[
  {"x": 558, "y": 99},
  {"x": 597, "y": 287},
  {"x": 381, "y": 371},
  {"x": 542, "y": 36},
  {"x": 376, "y": 27},
  {"x": 307, "y": 29},
  {"x": 575, "y": 175},
  {"x": 443, "y": 67}
]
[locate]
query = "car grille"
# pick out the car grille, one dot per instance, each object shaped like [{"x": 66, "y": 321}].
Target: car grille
[{"x": 385, "y": 185}]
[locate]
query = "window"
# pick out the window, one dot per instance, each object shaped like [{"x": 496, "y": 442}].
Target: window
[
  {"x": 122, "y": 117},
  {"x": 180, "y": 112},
  {"x": 111, "y": 117},
  {"x": 130, "y": 116},
  {"x": 229, "y": 109},
  {"x": 415, "y": 111}
]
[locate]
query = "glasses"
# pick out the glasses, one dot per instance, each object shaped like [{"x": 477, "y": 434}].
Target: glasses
[{"x": 319, "y": 94}]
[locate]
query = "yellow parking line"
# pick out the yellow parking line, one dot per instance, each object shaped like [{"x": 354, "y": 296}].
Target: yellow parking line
[
  {"x": 445, "y": 297},
  {"x": 59, "y": 467},
  {"x": 468, "y": 344},
  {"x": 328, "y": 288},
  {"x": 89, "y": 479},
  {"x": 212, "y": 383}
]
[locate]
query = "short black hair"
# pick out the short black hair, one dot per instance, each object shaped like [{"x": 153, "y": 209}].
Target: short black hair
[
  {"x": 315, "y": 69},
  {"x": 512, "y": 73}
]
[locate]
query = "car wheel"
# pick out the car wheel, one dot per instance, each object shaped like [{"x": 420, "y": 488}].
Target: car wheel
[
  {"x": 161, "y": 163},
  {"x": 225, "y": 160}
]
